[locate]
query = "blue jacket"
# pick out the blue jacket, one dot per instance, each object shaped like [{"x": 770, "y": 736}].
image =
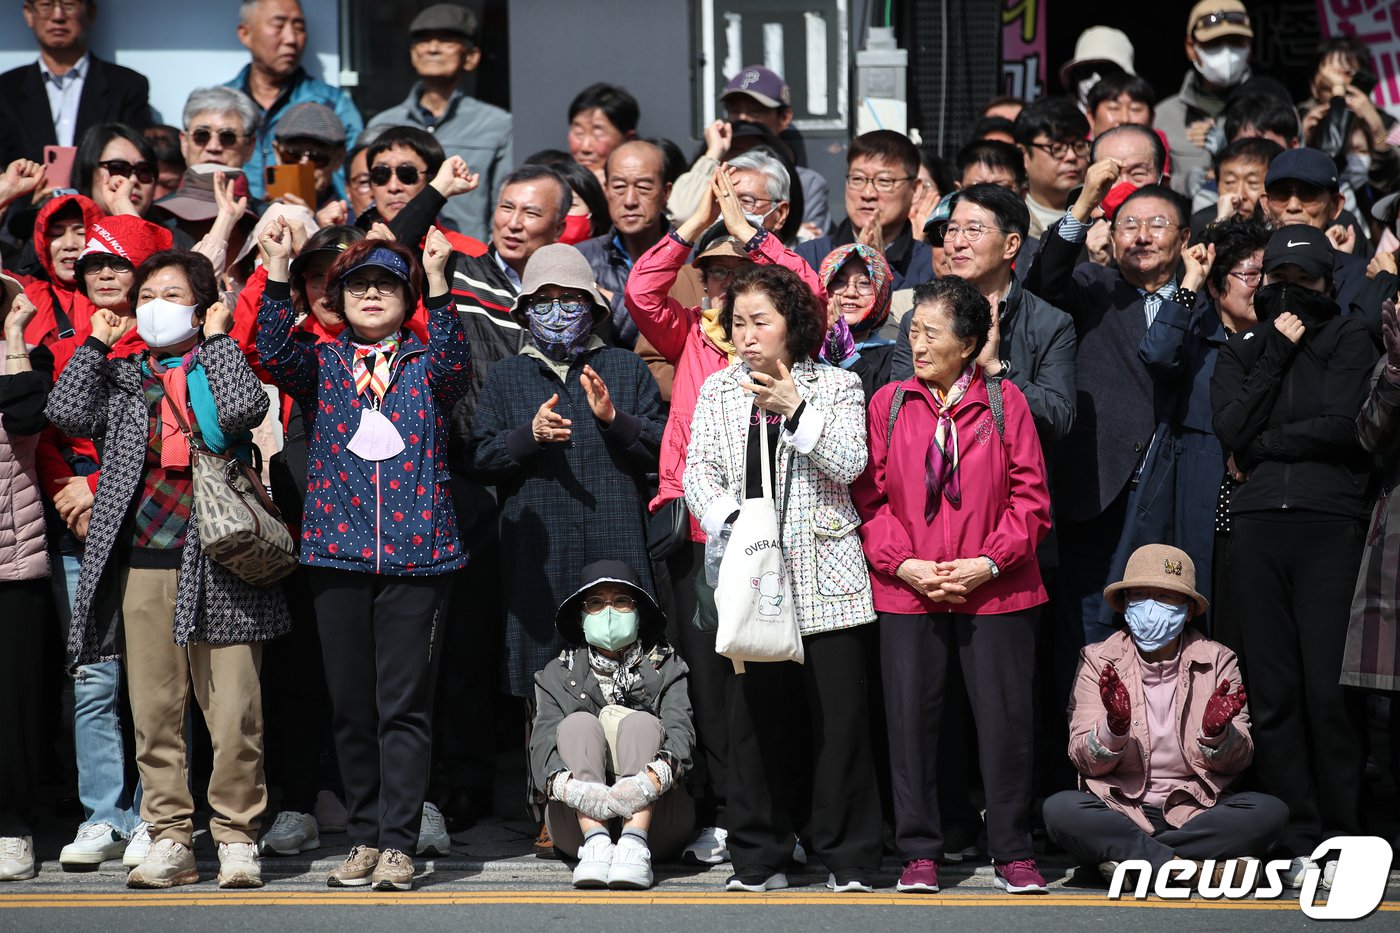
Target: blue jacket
[
  {"x": 302, "y": 88},
  {"x": 1180, "y": 349},
  {"x": 393, "y": 516}
]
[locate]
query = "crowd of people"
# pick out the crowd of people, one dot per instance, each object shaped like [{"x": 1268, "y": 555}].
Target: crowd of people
[{"x": 1076, "y": 448}]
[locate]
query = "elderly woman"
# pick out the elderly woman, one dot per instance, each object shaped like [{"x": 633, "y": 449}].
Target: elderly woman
[
  {"x": 1286, "y": 393},
  {"x": 24, "y": 569},
  {"x": 185, "y": 621},
  {"x": 954, "y": 503},
  {"x": 1154, "y": 779},
  {"x": 857, "y": 281},
  {"x": 614, "y": 703},
  {"x": 567, "y": 431},
  {"x": 725, "y": 238},
  {"x": 379, "y": 533},
  {"x": 812, "y": 415}
]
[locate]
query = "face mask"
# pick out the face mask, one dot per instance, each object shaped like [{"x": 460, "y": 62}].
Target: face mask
[
  {"x": 1358, "y": 170},
  {"x": 1272, "y": 300},
  {"x": 562, "y": 334},
  {"x": 1154, "y": 623},
  {"x": 1223, "y": 66},
  {"x": 163, "y": 323},
  {"x": 1085, "y": 85},
  {"x": 577, "y": 228},
  {"x": 610, "y": 630}
]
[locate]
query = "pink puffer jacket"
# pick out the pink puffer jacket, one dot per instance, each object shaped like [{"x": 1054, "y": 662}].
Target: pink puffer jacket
[{"x": 23, "y": 548}]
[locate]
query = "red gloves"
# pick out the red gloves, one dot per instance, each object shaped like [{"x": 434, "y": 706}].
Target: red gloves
[
  {"x": 1222, "y": 707},
  {"x": 1116, "y": 703}
]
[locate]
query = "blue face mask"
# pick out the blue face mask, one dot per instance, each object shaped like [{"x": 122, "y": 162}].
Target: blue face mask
[
  {"x": 560, "y": 329},
  {"x": 1154, "y": 623},
  {"x": 610, "y": 629}
]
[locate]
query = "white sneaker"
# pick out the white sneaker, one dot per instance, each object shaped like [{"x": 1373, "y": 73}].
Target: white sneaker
[
  {"x": 594, "y": 862},
  {"x": 16, "y": 858},
  {"x": 1329, "y": 871},
  {"x": 631, "y": 865},
  {"x": 239, "y": 866},
  {"x": 139, "y": 846},
  {"x": 432, "y": 833},
  {"x": 756, "y": 882},
  {"x": 291, "y": 833},
  {"x": 167, "y": 864},
  {"x": 1297, "y": 870},
  {"x": 329, "y": 812},
  {"x": 711, "y": 847},
  {"x": 94, "y": 844}
]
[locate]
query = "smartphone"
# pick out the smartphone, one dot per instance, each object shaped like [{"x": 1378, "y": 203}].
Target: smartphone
[
  {"x": 298, "y": 180},
  {"x": 58, "y": 166}
]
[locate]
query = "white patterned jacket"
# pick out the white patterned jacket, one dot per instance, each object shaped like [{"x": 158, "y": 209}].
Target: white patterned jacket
[{"x": 831, "y": 587}]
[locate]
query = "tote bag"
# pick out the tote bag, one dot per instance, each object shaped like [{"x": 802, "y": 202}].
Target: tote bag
[{"x": 757, "y": 620}]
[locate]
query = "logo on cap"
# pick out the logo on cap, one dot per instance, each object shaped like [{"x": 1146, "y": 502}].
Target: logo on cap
[
  {"x": 1291, "y": 244},
  {"x": 749, "y": 79}
]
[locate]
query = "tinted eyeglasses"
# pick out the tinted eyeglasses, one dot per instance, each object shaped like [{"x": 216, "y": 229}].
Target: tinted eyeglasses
[
  {"x": 379, "y": 175},
  {"x": 359, "y": 286},
  {"x": 145, "y": 172},
  {"x": 315, "y": 156},
  {"x": 227, "y": 138}
]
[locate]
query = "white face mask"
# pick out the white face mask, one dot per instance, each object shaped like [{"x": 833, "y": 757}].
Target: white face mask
[
  {"x": 163, "y": 323},
  {"x": 1224, "y": 65}
]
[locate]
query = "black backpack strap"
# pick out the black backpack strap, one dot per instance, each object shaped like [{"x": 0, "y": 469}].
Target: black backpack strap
[
  {"x": 60, "y": 317},
  {"x": 895, "y": 404},
  {"x": 994, "y": 400}
]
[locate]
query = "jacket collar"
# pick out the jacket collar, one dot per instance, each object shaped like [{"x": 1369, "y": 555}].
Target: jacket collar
[
  {"x": 1119, "y": 647},
  {"x": 897, "y": 252},
  {"x": 976, "y": 392},
  {"x": 804, "y": 372}
]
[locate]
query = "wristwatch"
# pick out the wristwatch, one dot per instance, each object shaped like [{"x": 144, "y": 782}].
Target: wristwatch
[{"x": 992, "y": 566}]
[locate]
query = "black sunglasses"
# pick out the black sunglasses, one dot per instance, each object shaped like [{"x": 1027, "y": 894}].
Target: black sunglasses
[
  {"x": 314, "y": 156},
  {"x": 380, "y": 174},
  {"x": 227, "y": 138},
  {"x": 145, "y": 172}
]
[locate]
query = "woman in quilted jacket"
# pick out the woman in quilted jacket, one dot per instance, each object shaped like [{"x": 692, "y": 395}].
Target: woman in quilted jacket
[
  {"x": 187, "y": 624},
  {"x": 379, "y": 533},
  {"x": 815, "y": 420}
]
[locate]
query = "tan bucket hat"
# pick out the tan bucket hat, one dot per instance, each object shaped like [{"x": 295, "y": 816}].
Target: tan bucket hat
[
  {"x": 724, "y": 246},
  {"x": 562, "y": 265},
  {"x": 1159, "y": 566}
]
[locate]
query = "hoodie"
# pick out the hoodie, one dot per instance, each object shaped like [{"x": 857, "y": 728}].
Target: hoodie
[{"x": 63, "y": 309}]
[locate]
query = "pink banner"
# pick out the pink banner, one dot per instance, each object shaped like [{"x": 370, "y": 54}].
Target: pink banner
[
  {"x": 1023, "y": 48},
  {"x": 1376, "y": 23}
]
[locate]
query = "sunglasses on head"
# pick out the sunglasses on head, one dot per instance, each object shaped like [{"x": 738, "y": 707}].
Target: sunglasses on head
[
  {"x": 145, "y": 172},
  {"x": 380, "y": 174},
  {"x": 1233, "y": 17},
  {"x": 202, "y": 134}
]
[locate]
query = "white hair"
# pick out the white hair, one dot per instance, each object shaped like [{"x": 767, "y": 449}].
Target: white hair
[
  {"x": 220, "y": 99},
  {"x": 775, "y": 174}
]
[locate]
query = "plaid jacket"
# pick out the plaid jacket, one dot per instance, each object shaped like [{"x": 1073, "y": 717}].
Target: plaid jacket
[{"x": 1372, "y": 657}]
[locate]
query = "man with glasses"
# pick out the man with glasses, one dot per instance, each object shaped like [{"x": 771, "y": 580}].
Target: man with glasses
[
  {"x": 443, "y": 49},
  {"x": 1218, "y": 41},
  {"x": 881, "y": 169},
  {"x": 55, "y": 100},
  {"x": 1053, "y": 137},
  {"x": 274, "y": 33},
  {"x": 220, "y": 124},
  {"x": 311, "y": 133}
]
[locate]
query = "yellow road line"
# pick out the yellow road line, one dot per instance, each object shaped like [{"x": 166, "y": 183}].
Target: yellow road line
[{"x": 38, "y": 900}]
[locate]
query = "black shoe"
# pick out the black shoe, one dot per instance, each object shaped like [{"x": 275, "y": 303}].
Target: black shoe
[
  {"x": 464, "y": 809},
  {"x": 960, "y": 841},
  {"x": 756, "y": 879}
]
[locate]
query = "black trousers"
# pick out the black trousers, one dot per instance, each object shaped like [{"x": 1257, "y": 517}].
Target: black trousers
[
  {"x": 379, "y": 641},
  {"x": 1294, "y": 579},
  {"x": 709, "y": 676},
  {"x": 1238, "y": 825},
  {"x": 997, "y": 653},
  {"x": 24, "y": 607},
  {"x": 826, "y": 697}
]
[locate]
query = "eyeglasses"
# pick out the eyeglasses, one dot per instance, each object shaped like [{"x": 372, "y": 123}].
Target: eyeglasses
[
  {"x": 1233, "y": 17},
  {"x": 145, "y": 172},
  {"x": 596, "y": 604},
  {"x": 863, "y": 286},
  {"x": 883, "y": 183},
  {"x": 358, "y": 286},
  {"x": 718, "y": 274},
  {"x": 570, "y": 305},
  {"x": 973, "y": 232},
  {"x": 316, "y": 157},
  {"x": 47, "y": 7},
  {"x": 1157, "y": 227},
  {"x": 1057, "y": 150},
  {"x": 1249, "y": 278},
  {"x": 750, "y": 203},
  {"x": 360, "y": 182},
  {"x": 379, "y": 175},
  {"x": 227, "y": 138}
]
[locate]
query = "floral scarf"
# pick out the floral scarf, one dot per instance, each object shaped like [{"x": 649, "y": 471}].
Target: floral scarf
[
  {"x": 617, "y": 677},
  {"x": 941, "y": 479}
]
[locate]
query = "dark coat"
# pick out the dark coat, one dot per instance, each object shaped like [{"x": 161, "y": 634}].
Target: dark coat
[
  {"x": 611, "y": 265},
  {"x": 102, "y": 399},
  {"x": 568, "y": 504},
  {"x": 910, "y": 260},
  {"x": 111, "y": 94}
]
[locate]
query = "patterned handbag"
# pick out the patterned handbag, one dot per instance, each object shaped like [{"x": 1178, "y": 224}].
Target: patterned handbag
[{"x": 240, "y": 528}]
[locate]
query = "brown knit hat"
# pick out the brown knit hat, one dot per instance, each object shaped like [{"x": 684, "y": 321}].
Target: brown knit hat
[{"x": 1158, "y": 566}]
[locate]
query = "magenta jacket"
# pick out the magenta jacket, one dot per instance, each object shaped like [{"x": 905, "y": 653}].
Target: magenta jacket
[{"x": 1005, "y": 508}]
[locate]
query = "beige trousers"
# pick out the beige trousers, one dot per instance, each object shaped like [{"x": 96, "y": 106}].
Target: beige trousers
[{"x": 160, "y": 675}]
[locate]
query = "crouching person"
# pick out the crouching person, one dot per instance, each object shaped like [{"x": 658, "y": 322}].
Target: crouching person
[
  {"x": 614, "y": 705},
  {"x": 1158, "y": 731}
]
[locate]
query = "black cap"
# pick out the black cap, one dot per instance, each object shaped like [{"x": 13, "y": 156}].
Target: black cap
[
  {"x": 651, "y": 622},
  {"x": 446, "y": 17},
  {"x": 1300, "y": 245},
  {"x": 1310, "y": 166}
]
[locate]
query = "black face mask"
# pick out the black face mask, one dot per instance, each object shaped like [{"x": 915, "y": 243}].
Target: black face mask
[{"x": 1272, "y": 300}]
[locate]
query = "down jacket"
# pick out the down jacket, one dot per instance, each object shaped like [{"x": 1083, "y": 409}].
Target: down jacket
[
  {"x": 23, "y": 548},
  {"x": 102, "y": 399}
]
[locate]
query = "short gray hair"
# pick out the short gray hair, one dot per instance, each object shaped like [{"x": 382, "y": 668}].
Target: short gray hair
[
  {"x": 777, "y": 182},
  {"x": 246, "y": 8},
  {"x": 220, "y": 99},
  {"x": 533, "y": 172}
]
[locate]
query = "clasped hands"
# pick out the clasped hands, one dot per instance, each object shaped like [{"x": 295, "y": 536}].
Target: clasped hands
[{"x": 948, "y": 581}]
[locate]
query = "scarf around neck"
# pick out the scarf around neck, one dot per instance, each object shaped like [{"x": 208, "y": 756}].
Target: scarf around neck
[
  {"x": 941, "y": 479},
  {"x": 617, "y": 677},
  {"x": 371, "y": 365}
]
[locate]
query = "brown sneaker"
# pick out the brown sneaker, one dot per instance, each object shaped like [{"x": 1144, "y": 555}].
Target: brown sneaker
[
  {"x": 355, "y": 871},
  {"x": 394, "y": 872}
]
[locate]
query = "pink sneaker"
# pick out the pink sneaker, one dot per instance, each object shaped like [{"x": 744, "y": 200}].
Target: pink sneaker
[
  {"x": 1019, "y": 877},
  {"x": 920, "y": 877}
]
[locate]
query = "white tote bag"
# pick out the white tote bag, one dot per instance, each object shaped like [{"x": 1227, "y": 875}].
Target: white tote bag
[{"x": 757, "y": 620}]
